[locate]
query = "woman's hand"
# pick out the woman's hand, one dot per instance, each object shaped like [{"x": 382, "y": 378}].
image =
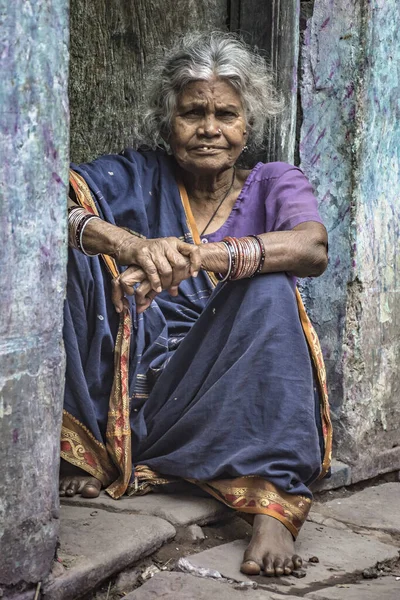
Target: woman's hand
[
  {"x": 133, "y": 281},
  {"x": 165, "y": 261}
]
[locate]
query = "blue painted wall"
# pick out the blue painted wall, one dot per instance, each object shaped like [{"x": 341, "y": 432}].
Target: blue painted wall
[
  {"x": 350, "y": 149},
  {"x": 33, "y": 179}
]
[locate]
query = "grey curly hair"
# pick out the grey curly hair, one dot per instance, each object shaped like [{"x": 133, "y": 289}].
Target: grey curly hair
[{"x": 201, "y": 57}]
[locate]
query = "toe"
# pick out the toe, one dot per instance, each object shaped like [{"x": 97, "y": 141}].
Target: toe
[
  {"x": 64, "y": 483},
  {"x": 250, "y": 567},
  {"x": 278, "y": 567},
  {"x": 91, "y": 488},
  {"x": 297, "y": 561},
  {"x": 72, "y": 488},
  {"x": 288, "y": 566},
  {"x": 269, "y": 569}
]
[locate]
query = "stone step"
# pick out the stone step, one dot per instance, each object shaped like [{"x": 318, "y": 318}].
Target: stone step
[
  {"x": 180, "y": 586},
  {"x": 96, "y": 544},
  {"x": 179, "y": 509},
  {"x": 341, "y": 553},
  {"x": 376, "y": 507},
  {"x": 386, "y": 588}
]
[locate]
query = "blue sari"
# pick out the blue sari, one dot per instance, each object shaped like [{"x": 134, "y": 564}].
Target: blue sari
[{"x": 220, "y": 386}]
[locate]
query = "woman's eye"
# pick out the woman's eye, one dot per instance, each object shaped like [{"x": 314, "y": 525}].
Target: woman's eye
[
  {"x": 226, "y": 114},
  {"x": 195, "y": 112}
]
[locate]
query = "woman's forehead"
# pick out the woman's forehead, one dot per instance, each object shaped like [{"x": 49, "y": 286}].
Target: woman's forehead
[{"x": 215, "y": 90}]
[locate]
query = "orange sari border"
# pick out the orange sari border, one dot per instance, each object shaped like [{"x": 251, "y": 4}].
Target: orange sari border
[
  {"x": 318, "y": 360},
  {"x": 192, "y": 224},
  {"x": 246, "y": 495},
  {"x": 255, "y": 495},
  {"x": 117, "y": 453}
]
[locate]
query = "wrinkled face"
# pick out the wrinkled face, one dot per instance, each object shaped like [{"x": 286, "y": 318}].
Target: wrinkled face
[{"x": 208, "y": 130}]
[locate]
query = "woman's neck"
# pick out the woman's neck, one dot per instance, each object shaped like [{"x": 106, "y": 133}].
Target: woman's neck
[{"x": 208, "y": 187}]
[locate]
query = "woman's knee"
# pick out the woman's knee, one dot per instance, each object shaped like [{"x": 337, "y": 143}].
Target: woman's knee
[{"x": 274, "y": 286}]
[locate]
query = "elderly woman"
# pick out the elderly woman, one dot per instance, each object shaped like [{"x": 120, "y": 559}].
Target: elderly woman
[{"x": 172, "y": 375}]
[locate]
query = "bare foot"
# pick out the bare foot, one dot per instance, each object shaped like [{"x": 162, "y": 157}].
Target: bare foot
[
  {"x": 271, "y": 549},
  {"x": 76, "y": 481}
]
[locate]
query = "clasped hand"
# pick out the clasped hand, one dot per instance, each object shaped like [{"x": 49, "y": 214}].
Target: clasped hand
[{"x": 153, "y": 265}]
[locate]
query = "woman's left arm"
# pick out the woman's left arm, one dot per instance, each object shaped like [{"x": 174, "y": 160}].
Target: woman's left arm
[{"x": 302, "y": 251}]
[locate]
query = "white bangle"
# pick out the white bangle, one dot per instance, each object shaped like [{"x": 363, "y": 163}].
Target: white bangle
[
  {"x": 226, "y": 277},
  {"x": 81, "y": 236}
]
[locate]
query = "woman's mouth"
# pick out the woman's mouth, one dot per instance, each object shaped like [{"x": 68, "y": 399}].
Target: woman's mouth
[{"x": 207, "y": 149}]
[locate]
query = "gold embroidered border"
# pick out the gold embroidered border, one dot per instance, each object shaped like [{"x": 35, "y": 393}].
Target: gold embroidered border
[
  {"x": 80, "y": 448},
  {"x": 255, "y": 495},
  {"x": 118, "y": 433},
  {"x": 247, "y": 495}
]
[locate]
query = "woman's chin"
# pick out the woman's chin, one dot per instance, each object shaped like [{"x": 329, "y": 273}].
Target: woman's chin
[{"x": 206, "y": 164}]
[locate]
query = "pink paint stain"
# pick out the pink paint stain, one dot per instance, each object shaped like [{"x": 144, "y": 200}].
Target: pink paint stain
[
  {"x": 349, "y": 91},
  {"x": 325, "y": 23},
  {"x": 315, "y": 159},
  {"x": 320, "y": 137},
  {"x": 305, "y": 138}
]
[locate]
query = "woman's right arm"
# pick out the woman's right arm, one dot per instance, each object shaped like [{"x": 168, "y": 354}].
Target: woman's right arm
[{"x": 165, "y": 261}]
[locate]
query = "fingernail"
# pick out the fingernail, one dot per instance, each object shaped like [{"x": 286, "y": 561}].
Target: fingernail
[
  {"x": 159, "y": 290},
  {"x": 195, "y": 274},
  {"x": 118, "y": 310}
]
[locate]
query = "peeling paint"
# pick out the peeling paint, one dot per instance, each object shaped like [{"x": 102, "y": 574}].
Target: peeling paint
[
  {"x": 350, "y": 97},
  {"x": 34, "y": 175}
]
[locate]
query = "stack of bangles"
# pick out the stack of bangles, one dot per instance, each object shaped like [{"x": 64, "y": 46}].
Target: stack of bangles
[
  {"x": 246, "y": 257},
  {"x": 78, "y": 218}
]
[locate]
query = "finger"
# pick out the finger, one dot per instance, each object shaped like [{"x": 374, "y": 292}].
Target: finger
[
  {"x": 165, "y": 270},
  {"x": 193, "y": 253},
  {"x": 143, "y": 307},
  {"x": 130, "y": 278},
  {"x": 150, "y": 269},
  {"x": 173, "y": 290},
  {"x": 146, "y": 302},
  {"x": 141, "y": 291},
  {"x": 117, "y": 294},
  {"x": 180, "y": 266}
]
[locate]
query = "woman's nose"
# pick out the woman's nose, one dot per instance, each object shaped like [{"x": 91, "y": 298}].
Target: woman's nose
[{"x": 209, "y": 127}]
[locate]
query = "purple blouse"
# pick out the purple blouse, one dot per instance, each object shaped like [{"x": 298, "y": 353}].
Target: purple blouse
[{"x": 275, "y": 197}]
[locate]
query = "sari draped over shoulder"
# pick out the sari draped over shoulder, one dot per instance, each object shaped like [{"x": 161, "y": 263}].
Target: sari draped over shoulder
[{"x": 222, "y": 386}]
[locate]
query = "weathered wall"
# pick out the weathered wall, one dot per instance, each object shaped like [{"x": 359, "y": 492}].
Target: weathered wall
[
  {"x": 112, "y": 42},
  {"x": 349, "y": 148},
  {"x": 273, "y": 28},
  {"x": 372, "y": 365},
  {"x": 33, "y": 175},
  {"x": 330, "y": 64}
]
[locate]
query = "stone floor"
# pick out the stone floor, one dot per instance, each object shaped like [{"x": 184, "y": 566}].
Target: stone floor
[{"x": 152, "y": 547}]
